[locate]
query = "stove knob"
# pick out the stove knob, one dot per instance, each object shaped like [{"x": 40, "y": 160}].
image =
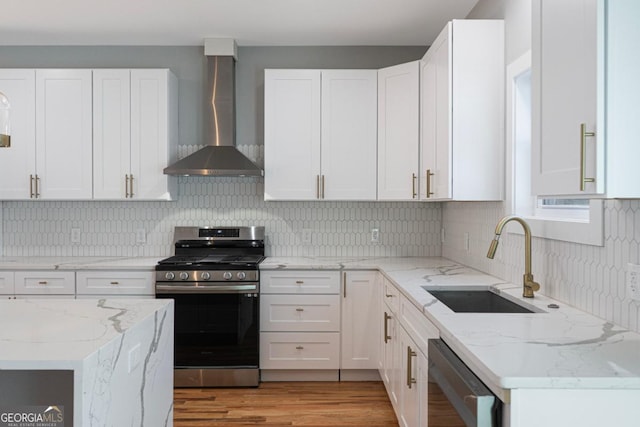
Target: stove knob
[
  {"x": 184, "y": 275},
  {"x": 205, "y": 276},
  {"x": 242, "y": 275},
  {"x": 170, "y": 276},
  {"x": 227, "y": 275}
]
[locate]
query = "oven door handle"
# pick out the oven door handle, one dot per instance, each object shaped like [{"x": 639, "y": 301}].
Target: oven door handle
[{"x": 206, "y": 289}]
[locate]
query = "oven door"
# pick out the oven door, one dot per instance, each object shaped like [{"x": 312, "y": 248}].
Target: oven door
[
  {"x": 215, "y": 326},
  {"x": 456, "y": 397}
]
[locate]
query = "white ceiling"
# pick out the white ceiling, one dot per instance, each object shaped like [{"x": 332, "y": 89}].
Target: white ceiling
[{"x": 249, "y": 22}]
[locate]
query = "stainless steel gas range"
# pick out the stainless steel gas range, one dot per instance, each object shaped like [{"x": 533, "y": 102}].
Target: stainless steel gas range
[{"x": 215, "y": 282}]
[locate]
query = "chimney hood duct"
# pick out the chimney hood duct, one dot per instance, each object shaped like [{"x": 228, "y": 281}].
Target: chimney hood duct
[{"x": 220, "y": 157}]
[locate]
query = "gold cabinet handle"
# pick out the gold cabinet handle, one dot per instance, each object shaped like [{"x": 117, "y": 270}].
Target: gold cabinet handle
[
  {"x": 126, "y": 186},
  {"x": 583, "y": 158},
  {"x": 299, "y": 282},
  {"x": 299, "y": 347},
  {"x": 410, "y": 355},
  {"x": 37, "y": 187},
  {"x": 131, "y": 186},
  {"x": 44, "y": 282},
  {"x": 317, "y": 186},
  {"x": 344, "y": 284},
  {"x": 429, "y": 192},
  {"x": 31, "y": 194},
  {"x": 115, "y": 283},
  {"x": 299, "y": 309},
  {"x": 322, "y": 187},
  {"x": 386, "y": 327},
  {"x": 413, "y": 183},
  {"x": 389, "y": 295}
]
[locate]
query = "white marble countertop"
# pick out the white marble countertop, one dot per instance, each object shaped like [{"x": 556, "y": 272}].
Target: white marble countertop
[
  {"x": 79, "y": 263},
  {"x": 552, "y": 348},
  {"x": 59, "y": 333}
]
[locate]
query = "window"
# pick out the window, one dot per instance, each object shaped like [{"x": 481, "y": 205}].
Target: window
[{"x": 573, "y": 220}]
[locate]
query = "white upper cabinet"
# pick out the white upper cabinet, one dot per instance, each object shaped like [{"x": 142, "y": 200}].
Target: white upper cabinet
[
  {"x": 398, "y": 131},
  {"x": 63, "y": 134},
  {"x": 585, "y": 91},
  {"x": 462, "y": 113},
  {"x": 349, "y": 138},
  {"x": 320, "y": 134},
  {"x": 135, "y": 123},
  {"x": 19, "y": 161}
]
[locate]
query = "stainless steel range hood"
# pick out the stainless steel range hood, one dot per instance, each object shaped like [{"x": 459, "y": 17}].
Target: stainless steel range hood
[{"x": 220, "y": 157}]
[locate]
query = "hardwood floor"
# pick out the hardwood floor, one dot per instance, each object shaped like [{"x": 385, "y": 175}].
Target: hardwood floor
[{"x": 286, "y": 404}]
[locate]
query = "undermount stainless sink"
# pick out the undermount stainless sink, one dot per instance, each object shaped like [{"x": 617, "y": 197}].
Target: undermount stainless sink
[{"x": 476, "y": 301}]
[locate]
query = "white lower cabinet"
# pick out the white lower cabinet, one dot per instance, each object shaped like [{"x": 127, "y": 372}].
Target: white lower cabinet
[
  {"x": 404, "y": 363},
  {"x": 115, "y": 284},
  {"x": 45, "y": 283},
  {"x": 6, "y": 284},
  {"x": 299, "y": 324}
]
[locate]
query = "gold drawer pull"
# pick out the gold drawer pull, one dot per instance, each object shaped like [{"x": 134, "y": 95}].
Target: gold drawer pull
[
  {"x": 388, "y": 295},
  {"x": 299, "y": 309},
  {"x": 115, "y": 283},
  {"x": 583, "y": 160},
  {"x": 44, "y": 282},
  {"x": 299, "y": 347},
  {"x": 413, "y": 183},
  {"x": 429, "y": 192},
  {"x": 410, "y": 354},
  {"x": 299, "y": 282}
]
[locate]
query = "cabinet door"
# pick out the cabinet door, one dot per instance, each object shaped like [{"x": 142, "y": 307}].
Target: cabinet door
[
  {"x": 349, "y": 134},
  {"x": 564, "y": 80},
  {"x": 111, "y": 133},
  {"x": 390, "y": 355},
  {"x": 116, "y": 283},
  {"x": 292, "y": 134},
  {"x": 153, "y": 128},
  {"x": 63, "y": 134},
  {"x": 409, "y": 409},
  {"x": 360, "y": 328},
  {"x": 398, "y": 131},
  {"x": 19, "y": 161},
  {"x": 435, "y": 97},
  {"x": 45, "y": 283}
]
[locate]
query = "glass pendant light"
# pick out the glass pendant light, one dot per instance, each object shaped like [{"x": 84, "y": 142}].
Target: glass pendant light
[{"x": 5, "y": 125}]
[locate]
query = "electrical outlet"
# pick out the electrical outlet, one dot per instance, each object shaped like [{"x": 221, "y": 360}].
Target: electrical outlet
[
  {"x": 466, "y": 241},
  {"x": 307, "y": 235},
  {"x": 141, "y": 235},
  {"x": 375, "y": 235},
  {"x": 633, "y": 281},
  {"x": 75, "y": 235}
]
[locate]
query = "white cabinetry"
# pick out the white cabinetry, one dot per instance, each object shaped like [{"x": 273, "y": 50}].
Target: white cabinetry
[
  {"x": 404, "y": 363},
  {"x": 19, "y": 161},
  {"x": 63, "y": 134},
  {"x": 6, "y": 284},
  {"x": 115, "y": 283},
  {"x": 299, "y": 325},
  {"x": 45, "y": 283},
  {"x": 134, "y": 124},
  {"x": 320, "y": 134},
  {"x": 360, "y": 328},
  {"x": 50, "y": 154},
  {"x": 398, "y": 131},
  {"x": 585, "y": 91},
  {"x": 462, "y": 115}
]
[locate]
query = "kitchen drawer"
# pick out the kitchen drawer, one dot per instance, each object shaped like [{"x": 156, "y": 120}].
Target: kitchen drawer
[
  {"x": 45, "y": 282},
  {"x": 319, "y": 313},
  {"x": 390, "y": 295},
  {"x": 296, "y": 350},
  {"x": 420, "y": 329},
  {"x": 115, "y": 283},
  {"x": 300, "y": 282},
  {"x": 6, "y": 283}
]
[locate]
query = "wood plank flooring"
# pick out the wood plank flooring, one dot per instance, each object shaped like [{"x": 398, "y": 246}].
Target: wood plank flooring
[{"x": 316, "y": 404}]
